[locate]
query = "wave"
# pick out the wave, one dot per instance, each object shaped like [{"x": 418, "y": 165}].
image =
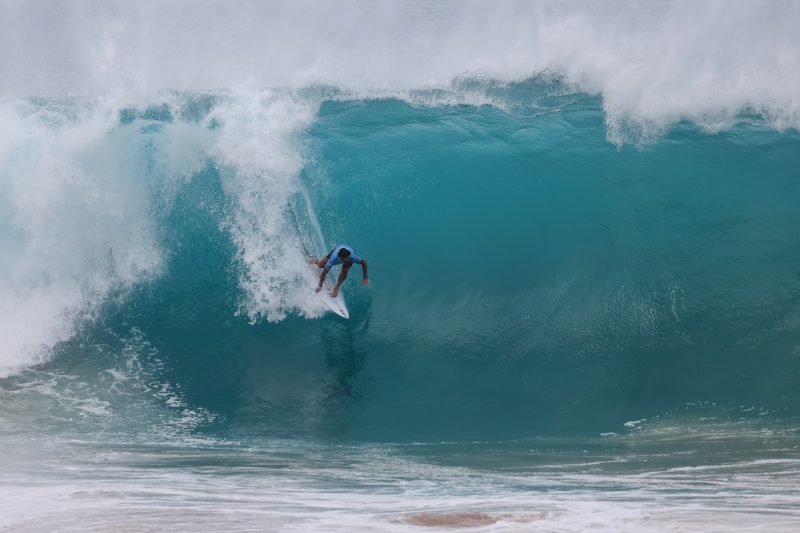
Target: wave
[{"x": 523, "y": 265}]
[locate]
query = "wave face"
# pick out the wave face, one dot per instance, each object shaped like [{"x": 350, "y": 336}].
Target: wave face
[{"x": 528, "y": 276}]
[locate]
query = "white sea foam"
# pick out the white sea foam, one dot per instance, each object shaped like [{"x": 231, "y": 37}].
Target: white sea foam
[
  {"x": 75, "y": 225},
  {"x": 291, "y": 487},
  {"x": 78, "y": 202},
  {"x": 654, "y": 63}
]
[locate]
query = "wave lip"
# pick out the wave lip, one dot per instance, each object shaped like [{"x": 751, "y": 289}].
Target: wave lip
[{"x": 653, "y": 63}]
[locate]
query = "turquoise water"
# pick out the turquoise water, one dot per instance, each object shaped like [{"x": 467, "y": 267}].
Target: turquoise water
[{"x": 584, "y": 289}]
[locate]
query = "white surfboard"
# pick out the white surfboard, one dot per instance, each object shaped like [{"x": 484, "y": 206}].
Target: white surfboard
[{"x": 337, "y": 304}]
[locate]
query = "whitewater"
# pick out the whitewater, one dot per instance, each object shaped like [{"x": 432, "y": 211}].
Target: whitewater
[{"x": 581, "y": 224}]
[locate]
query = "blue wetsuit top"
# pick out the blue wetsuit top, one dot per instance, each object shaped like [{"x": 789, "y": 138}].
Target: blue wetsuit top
[{"x": 335, "y": 259}]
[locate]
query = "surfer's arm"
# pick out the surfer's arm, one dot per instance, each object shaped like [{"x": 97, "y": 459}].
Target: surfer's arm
[{"x": 365, "y": 278}]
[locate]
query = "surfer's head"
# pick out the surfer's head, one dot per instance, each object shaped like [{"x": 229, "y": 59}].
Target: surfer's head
[{"x": 344, "y": 252}]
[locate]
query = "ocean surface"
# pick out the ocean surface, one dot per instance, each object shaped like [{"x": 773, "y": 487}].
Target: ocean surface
[{"x": 583, "y": 237}]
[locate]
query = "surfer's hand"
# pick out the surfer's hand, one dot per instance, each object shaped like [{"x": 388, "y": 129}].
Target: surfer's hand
[
  {"x": 365, "y": 281},
  {"x": 318, "y": 289},
  {"x": 334, "y": 293}
]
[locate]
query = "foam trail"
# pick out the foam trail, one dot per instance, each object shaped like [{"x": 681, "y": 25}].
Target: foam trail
[{"x": 258, "y": 151}]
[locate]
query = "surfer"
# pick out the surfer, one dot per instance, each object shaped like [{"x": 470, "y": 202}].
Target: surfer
[{"x": 345, "y": 256}]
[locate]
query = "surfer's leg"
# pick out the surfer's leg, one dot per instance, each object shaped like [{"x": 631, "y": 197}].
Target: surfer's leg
[
  {"x": 342, "y": 277},
  {"x": 321, "y": 262}
]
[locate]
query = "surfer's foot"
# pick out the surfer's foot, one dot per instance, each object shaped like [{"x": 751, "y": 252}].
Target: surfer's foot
[
  {"x": 334, "y": 294},
  {"x": 318, "y": 289}
]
